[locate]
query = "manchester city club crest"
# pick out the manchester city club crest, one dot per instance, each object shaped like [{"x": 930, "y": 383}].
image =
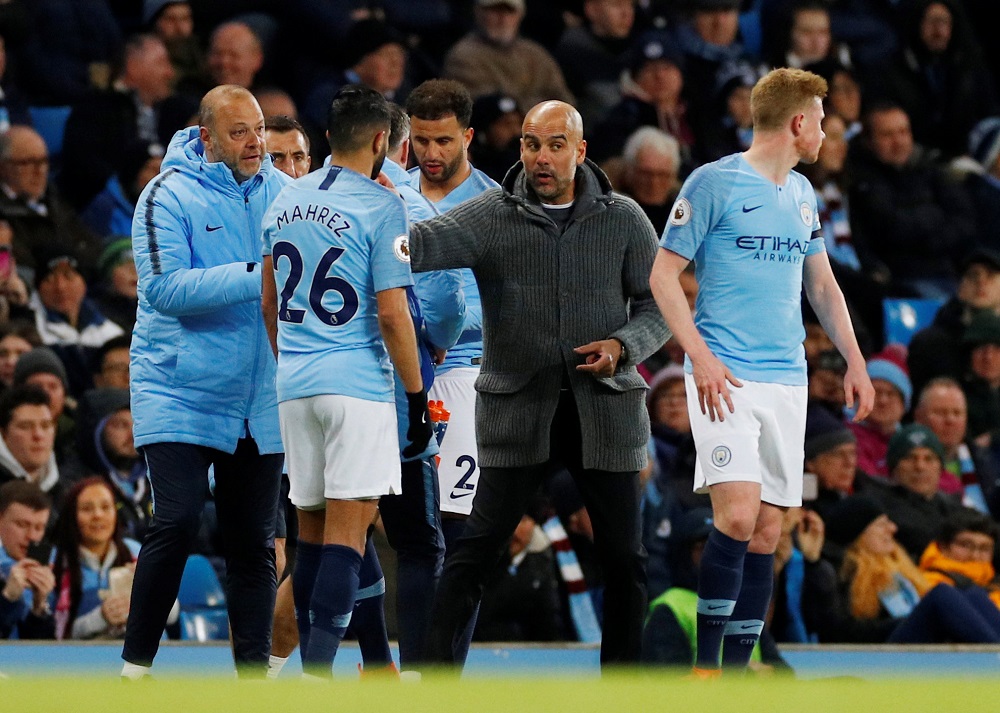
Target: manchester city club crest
[
  {"x": 721, "y": 456},
  {"x": 806, "y": 213}
]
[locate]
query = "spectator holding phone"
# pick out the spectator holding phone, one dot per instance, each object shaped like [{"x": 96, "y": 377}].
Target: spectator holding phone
[
  {"x": 93, "y": 564},
  {"x": 25, "y": 578}
]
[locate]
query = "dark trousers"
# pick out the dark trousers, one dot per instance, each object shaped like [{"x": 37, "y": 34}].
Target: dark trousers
[
  {"x": 412, "y": 523},
  {"x": 246, "y": 492},
  {"x": 502, "y": 496}
]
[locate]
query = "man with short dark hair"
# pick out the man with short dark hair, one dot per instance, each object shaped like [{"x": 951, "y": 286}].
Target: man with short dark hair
[
  {"x": 288, "y": 145},
  {"x": 334, "y": 380},
  {"x": 27, "y": 439},
  {"x": 25, "y": 583},
  {"x": 202, "y": 374},
  {"x": 913, "y": 216},
  {"x": 440, "y": 133},
  {"x": 131, "y": 111}
]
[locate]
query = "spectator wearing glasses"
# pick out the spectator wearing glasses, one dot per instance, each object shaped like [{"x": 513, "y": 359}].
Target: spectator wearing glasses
[{"x": 31, "y": 205}]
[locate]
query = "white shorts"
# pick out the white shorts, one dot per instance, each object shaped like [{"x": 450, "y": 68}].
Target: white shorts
[
  {"x": 458, "y": 468},
  {"x": 339, "y": 448},
  {"x": 762, "y": 441}
]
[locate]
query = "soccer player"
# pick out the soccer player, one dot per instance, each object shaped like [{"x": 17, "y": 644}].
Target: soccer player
[
  {"x": 749, "y": 223},
  {"x": 440, "y": 133},
  {"x": 440, "y": 115},
  {"x": 412, "y": 519},
  {"x": 336, "y": 243}
]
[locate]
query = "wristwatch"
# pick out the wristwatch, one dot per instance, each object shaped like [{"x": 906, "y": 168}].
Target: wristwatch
[{"x": 623, "y": 357}]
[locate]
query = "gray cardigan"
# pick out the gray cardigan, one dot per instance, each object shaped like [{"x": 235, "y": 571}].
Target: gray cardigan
[{"x": 544, "y": 294}]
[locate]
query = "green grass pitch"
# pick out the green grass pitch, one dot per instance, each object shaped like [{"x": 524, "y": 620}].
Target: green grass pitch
[{"x": 443, "y": 694}]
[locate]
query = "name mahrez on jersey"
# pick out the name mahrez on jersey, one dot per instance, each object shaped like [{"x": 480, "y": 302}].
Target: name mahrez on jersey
[
  {"x": 771, "y": 248},
  {"x": 317, "y": 214}
]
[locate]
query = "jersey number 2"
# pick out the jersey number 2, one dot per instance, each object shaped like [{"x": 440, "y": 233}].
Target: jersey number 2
[{"x": 321, "y": 284}]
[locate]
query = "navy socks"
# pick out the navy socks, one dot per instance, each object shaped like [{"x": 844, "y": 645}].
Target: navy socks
[
  {"x": 719, "y": 580},
  {"x": 368, "y": 620},
  {"x": 330, "y": 607},
  {"x": 747, "y": 620}
]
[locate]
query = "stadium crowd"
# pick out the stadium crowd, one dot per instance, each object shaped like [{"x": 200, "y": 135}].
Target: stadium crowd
[{"x": 897, "y": 539}]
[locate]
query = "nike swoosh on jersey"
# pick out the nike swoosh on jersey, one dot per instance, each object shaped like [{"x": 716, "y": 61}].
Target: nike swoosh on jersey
[
  {"x": 210, "y": 229},
  {"x": 460, "y": 495},
  {"x": 750, "y": 210}
]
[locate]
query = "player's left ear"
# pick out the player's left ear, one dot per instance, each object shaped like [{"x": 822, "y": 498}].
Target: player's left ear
[
  {"x": 797, "y": 121},
  {"x": 467, "y": 136},
  {"x": 581, "y": 151}
]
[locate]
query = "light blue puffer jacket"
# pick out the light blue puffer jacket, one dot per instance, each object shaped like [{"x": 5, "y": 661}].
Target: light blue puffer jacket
[{"x": 202, "y": 370}]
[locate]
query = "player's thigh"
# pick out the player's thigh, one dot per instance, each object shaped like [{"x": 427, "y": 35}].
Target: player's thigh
[
  {"x": 360, "y": 447},
  {"x": 783, "y": 420},
  {"x": 727, "y": 451},
  {"x": 303, "y": 438}
]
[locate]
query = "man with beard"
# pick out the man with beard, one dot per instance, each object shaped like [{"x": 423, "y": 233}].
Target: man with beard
[
  {"x": 440, "y": 114},
  {"x": 336, "y": 241},
  {"x": 202, "y": 374},
  {"x": 563, "y": 267}
]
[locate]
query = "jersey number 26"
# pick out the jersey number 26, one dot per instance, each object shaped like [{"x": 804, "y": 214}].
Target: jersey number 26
[{"x": 320, "y": 285}]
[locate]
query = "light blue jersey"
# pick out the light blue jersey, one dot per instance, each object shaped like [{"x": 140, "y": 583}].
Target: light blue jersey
[
  {"x": 336, "y": 238},
  {"x": 437, "y": 305},
  {"x": 469, "y": 349},
  {"x": 748, "y": 238}
]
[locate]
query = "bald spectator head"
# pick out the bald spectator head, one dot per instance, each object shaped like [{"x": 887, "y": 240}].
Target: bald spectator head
[
  {"x": 232, "y": 130},
  {"x": 24, "y": 162},
  {"x": 235, "y": 55},
  {"x": 146, "y": 68}
]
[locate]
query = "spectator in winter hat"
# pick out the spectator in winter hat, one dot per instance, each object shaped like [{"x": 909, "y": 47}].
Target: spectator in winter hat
[
  {"x": 893, "y": 392},
  {"x": 912, "y": 498},
  {"x": 982, "y": 383}
]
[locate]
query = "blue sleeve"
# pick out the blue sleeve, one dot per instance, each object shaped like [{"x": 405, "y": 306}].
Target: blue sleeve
[
  {"x": 817, "y": 244},
  {"x": 390, "y": 251},
  {"x": 442, "y": 305},
  {"x": 163, "y": 259},
  {"x": 696, "y": 211},
  {"x": 473, "y": 303},
  {"x": 267, "y": 230}
]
